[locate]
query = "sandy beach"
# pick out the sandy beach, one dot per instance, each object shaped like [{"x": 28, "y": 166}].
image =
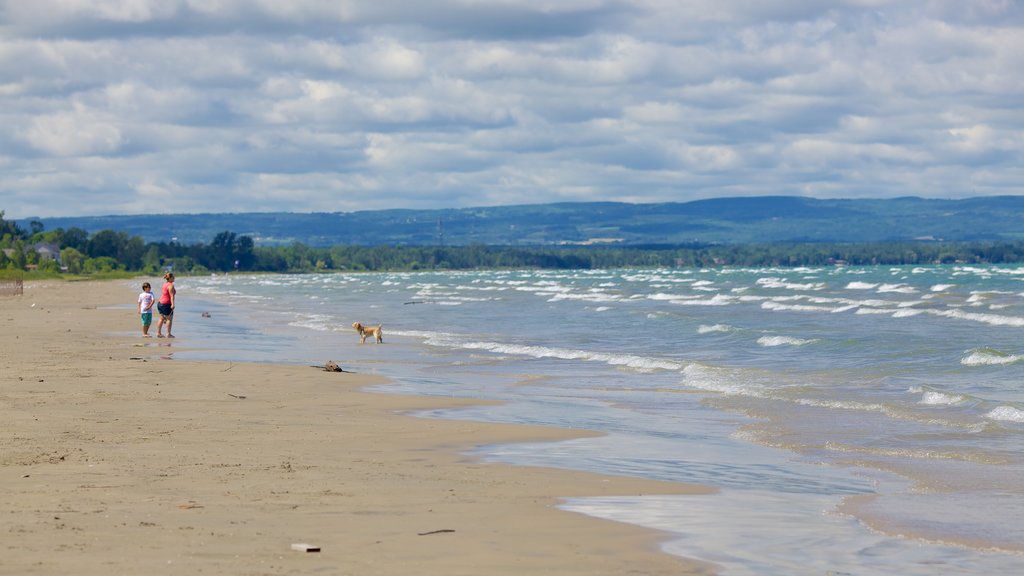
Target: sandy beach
[{"x": 115, "y": 459}]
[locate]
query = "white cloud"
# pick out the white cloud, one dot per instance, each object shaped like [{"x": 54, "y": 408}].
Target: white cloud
[
  {"x": 219, "y": 105},
  {"x": 78, "y": 133}
]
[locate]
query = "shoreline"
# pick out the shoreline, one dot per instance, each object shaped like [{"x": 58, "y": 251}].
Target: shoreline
[{"x": 119, "y": 461}]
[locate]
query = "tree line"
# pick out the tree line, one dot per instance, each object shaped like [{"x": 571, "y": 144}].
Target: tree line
[{"x": 111, "y": 251}]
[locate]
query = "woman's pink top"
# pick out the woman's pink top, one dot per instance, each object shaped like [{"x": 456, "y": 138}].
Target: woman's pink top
[{"x": 165, "y": 294}]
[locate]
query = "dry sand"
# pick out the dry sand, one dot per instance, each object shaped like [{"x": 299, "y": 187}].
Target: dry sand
[{"x": 114, "y": 460}]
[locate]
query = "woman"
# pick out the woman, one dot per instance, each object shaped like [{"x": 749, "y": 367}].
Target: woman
[{"x": 166, "y": 306}]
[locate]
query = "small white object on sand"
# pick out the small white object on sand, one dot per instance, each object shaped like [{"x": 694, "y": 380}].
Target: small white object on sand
[{"x": 305, "y": 547}]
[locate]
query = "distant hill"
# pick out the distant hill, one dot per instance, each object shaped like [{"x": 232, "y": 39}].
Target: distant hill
[{"x": 721, "y": 220}]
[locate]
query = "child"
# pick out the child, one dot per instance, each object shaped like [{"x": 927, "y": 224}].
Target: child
[{"x": 146, "y": 308}]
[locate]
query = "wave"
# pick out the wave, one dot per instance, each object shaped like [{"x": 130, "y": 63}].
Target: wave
[
  {"x": 919, "y": 453},
  {"x": 544, "y": 288},
  {"x": 318, "y": 322},
  {"x": 705, "y": 329},
  {"x": 636, "y": 362},
  {"x": 861, "y": 286},
  {"x": 942, "y": 287},
  {"x": 716, "y": 300},
  {"x": 936, "y": 398},
  {"x": 785, "y": 284},
  {"x": 991, "y": 319},
  {"x": 769, "y": 341},
  {"x": 1006, "y": 414},
  {"x": 873, "y": 311},
  {"x": 989, "y": 357},
  {"x": 778, "y": 306},
  {"x": 598, "y": 297},
  {"x": 891, "y": 411},
  {"x": 897, "y": 288},
  {"x": 722, "y": 380},
  {"x": 661, "y": 296}
]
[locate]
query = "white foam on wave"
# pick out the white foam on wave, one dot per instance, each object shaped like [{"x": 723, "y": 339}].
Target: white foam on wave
[
  {"x": 861, "y": 286},
  {"x": 770, "y": 341},
  {"x": 784, "y": 283},
  {"x": 753, "y": 298},
  {"x": 705, "y": 329},
  {"x": 661, "y": 296},
  {"x": 918, "y": 453},
  {"x": 1006, "y": 414},
  {"x": 233, "y": 294},
  {"x": 640, "y": 363},
  {"x": 863, "y": 311},
  {"x": 936, "y": 398},
  {"x": 722, "y": 380},
  {"x": 991, "y": 319},
  {"x": 907, "y": 313},
  {"x": 544, "y": 288},
  {"x": 464, "y": 287},
  {"x": 989, "y": 357},
  {"x": 716, "y": 300},
  {"x": 897, "y": 288},
  {"x": 889, "y": 411},
  {"x": 942, "y": 287},
  {"x": 779, "y": 306},
  {"x": 318, "y": 322},
  {"x": 654, "y": 278},
  {"x": 598, "y": 297}
]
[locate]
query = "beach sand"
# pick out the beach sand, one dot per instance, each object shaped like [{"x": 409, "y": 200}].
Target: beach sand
[{"x": 116, "y": 460}]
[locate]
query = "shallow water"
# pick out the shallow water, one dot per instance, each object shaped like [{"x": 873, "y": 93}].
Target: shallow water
[{"x": 894, "y": 395}]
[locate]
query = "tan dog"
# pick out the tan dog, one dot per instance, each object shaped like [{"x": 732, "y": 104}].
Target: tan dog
[{"x": 365, "y": 331}]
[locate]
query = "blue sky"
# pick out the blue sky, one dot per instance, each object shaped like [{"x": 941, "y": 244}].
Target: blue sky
[{"x": 167, "y": 106}]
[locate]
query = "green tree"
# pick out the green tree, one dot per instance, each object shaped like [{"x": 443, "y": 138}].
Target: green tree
[
  {"x": 244, "y": 255},
  {"x": 150, "y": 260},
  {"x": 72, "y": 259},
  {"x": 101, "y": 264},
  {"x": 76, "y": 238},
  {"x": 10, "y": 227},
  {"x": 221, "y": 252},
  {"x": 106, "y": 243}
]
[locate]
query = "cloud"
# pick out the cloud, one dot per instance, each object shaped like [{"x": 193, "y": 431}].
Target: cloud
[
  {"x": 124, "y": 106},
  {"x": 76, "y": 133}
]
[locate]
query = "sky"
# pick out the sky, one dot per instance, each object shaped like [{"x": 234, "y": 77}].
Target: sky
[{"x": 200, "y": 106}]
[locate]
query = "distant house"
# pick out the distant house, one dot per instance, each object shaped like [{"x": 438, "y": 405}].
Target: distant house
[{"x": 47, "y": 251}]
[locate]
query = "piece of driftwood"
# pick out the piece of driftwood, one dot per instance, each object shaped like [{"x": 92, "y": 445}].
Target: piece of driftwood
[
  {"x": 303, "y": 547},
  {"x": 441, "y": 531},
  {"x": 332, "y": 366}
]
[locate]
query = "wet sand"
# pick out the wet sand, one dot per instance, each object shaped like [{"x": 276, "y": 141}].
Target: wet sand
[{"x": 116, "y": 460}]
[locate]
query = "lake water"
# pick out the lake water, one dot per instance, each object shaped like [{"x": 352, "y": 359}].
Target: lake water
[{"x": 857, "y": 420}]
